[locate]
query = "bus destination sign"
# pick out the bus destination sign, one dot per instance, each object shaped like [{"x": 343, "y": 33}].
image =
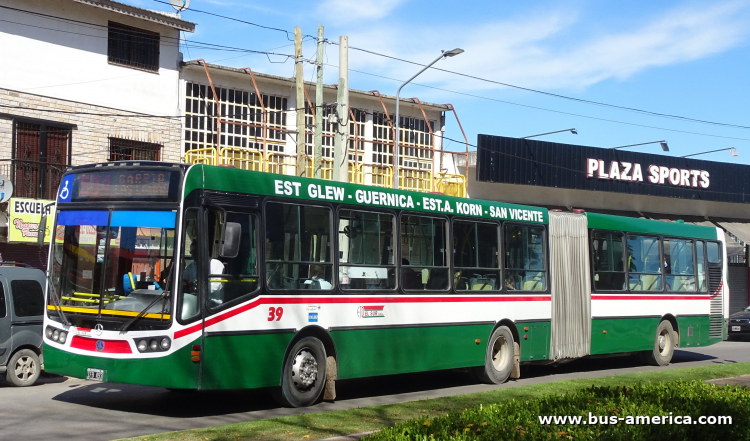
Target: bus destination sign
[{"x": 124, "y": 185}]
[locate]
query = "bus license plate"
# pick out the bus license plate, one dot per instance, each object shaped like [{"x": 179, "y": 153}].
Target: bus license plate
[
  {"x": 95, "y": 374},
  {"x": 736, "y": 328}
]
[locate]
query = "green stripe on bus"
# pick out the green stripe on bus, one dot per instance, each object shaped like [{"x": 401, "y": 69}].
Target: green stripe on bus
[
  {"x": 634, "y": 334},
  {"x": 648, "y": 226},
  {"x": 295, "y": 187}
]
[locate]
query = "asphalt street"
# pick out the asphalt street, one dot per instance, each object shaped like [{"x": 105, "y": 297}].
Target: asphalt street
[{"x": 60, "y": 408}]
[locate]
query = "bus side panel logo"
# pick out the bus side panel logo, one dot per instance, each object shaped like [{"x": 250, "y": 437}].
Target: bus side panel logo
[
  {"x": 99, "y": 345},
  {"x": 312, "y": 317},
  {"x": 370, "y": 311}
]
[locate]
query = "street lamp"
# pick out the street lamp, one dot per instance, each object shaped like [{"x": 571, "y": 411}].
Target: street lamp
[
  {"x": 451, "y": 53},
  {"x": 573, "y": 131},
  {"x": 663, "y": 143},
  {"x": 732, "y": 151}
]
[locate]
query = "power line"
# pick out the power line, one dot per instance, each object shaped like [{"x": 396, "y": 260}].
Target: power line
[
  {"x": 549, "y": 110},
  {"x": 555, "y": 95},
  {"x": 234, "y": 19}
]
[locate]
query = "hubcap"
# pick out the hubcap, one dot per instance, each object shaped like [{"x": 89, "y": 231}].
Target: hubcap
[
  {"x": 304, "y": 370},
  {"x": 25, "y": 368},
  {"x": 664, "y": 342},
  {"x": 500, "y": 353}
]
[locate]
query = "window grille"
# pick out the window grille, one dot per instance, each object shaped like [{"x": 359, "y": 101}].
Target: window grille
[
  {"x": 236, "y": 106},
  {"x": 356, "y": 129},
  {"x": 416, "y": 143},
  {"x": 382, "y": 139},
  {"x": 41, "y": 155},
  {"x": 128, "y": 150},
  {"x": 133, "y": 47}
]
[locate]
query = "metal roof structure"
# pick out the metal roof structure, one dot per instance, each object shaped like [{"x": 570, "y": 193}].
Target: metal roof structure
[{"x": 163, "y": 18}]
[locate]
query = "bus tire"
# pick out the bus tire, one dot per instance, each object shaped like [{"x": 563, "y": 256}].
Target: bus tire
[
  {"x": 663, "y": 350},
  {"x": 498, "y": 360},
  {"x": 23, "y": 368},
  {"x": 303, "y": 377}
]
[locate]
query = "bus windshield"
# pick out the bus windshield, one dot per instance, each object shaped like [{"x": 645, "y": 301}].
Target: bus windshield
[{"x": 110, "y": 267}]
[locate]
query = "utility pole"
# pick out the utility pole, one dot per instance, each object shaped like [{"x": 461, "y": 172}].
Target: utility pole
[
  {"x": 340, "y": 163},
  {"x": 318, "y": 154},
  {"x": 299, "y": 76}
]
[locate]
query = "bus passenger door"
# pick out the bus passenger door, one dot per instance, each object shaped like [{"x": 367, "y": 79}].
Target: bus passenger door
[
  {"x": 185, "y": 373},
  {"x": 236, "y": 352}
]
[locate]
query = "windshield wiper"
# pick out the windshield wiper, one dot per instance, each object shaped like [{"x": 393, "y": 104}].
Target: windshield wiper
[
  {"x": 163, "y": 296},
  {"x": 58, "y": 308}
]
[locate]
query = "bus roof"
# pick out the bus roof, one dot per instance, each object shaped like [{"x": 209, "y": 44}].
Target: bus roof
[
  {"x": 649, "y": 226},
  {"x": 295, "y": 187}
]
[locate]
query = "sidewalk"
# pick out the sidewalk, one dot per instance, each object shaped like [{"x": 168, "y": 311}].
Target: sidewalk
[{"x": 742, "y": 380}]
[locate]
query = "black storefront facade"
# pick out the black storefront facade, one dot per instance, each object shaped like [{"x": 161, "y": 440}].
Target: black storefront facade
[{"x": 567, "y": 176}]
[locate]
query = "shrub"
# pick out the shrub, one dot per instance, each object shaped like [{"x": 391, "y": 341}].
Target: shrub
[{"x": 520, "y": 419}]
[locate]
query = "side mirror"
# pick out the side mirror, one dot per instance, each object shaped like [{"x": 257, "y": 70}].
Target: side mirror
[
  {"x": 42, "y": 230},
  {"x": 230, "y": 240}
]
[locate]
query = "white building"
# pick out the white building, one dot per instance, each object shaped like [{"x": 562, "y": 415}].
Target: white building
[
  {"x": 84, "y": 81},
  {"x": 262, "y": 134}
]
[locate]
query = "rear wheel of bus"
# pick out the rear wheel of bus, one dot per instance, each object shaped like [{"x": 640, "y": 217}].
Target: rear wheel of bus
[
  {"x": 498, "y": 362},
  {"x": 664, "y": 343}
]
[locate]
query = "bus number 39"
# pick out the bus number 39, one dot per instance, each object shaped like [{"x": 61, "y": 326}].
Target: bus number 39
[{"x": 275, "y": 313}]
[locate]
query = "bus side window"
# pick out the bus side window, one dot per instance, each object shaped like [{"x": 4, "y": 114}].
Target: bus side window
[
  {"x": 424, "y": 249},
  {"x": 525, "y": 258},
  {"x": 475, "y": 265},
  {"x": 188, "y": 299},
  {"x": 701, "y": 260},
  {"x": 231, "y": 278},
  {"x": 608, "y": 261},
  {"x": 366, "y": 250},
  {"x": 298, "y": 247}
]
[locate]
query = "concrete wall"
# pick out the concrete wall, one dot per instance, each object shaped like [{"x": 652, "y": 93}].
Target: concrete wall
[{"x": 68, "y": 61}]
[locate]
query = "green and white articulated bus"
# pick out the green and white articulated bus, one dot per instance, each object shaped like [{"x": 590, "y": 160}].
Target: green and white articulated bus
[{"x": 204, "y": 277}]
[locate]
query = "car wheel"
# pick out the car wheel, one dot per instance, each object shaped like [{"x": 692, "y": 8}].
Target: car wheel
[
  {"x": 663, "y": 350},
  {"x": 303, "y": 377},
  {"x": 23, "y": 368},
  {"x": 498, "y": 361}
]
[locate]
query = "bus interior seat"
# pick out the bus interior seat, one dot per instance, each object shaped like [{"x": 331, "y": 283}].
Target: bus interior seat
[
  {"x": 650, "y": 282},
  {"x": 479, "y": 283},
  {"x": 289, "y": 283},
  {"x": 438, "y": 280},
  {"x": 533, "y": 282}
]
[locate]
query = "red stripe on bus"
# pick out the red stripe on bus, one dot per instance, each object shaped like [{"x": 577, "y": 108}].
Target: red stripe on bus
[
  {"x": 400, "y": 299},
  {"x": 643, "y": 297},
  {"x": 110, "y": 346}
]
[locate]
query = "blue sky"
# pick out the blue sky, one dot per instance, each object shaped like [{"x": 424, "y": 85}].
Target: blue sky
[{"x": 683, "y": 58}]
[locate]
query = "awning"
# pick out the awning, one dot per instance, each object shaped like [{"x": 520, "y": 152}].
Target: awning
[
  {"x": 733, "y": 248},
  {"x": 741, "y": 230}
]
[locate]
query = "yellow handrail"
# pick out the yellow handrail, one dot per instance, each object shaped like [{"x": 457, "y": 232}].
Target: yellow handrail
[
  {"x": 242, "y": 158},
  {"x": 205, "y": 156},
  {"x": 451, "y": 184}
]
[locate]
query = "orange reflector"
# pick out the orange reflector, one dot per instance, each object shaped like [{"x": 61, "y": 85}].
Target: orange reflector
[
  {"x": 195, "y": 353},
  {"x": 526, "y": 328},
  {"x": 478, "y": 341},
  {"x": 196, "y": 359},
  {"x": 605, "y": 331}
]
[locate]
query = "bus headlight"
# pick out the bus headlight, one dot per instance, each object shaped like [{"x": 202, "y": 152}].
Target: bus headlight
[
  {"x": 48, "y": 332},
  {"x": 165, "y": 343},
  {"x": 55, "y": 334},
  {"x": 142, "y": 345},
  {"x": 153, "y": 345},
  {"x": 62, "y": 337}
]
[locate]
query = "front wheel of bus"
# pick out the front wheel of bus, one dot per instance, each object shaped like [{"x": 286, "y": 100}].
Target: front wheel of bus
[
  {"x": 304, "y": 375},
  {"x": 663, "y": 350},
  {"x": 498, "y": 362}
]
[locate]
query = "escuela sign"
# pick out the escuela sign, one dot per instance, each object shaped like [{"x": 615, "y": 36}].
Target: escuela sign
[{"x": 24, "y": 217}]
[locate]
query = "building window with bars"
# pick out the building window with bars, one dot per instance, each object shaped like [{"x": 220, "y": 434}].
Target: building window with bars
[
  {"x": 41, "y": 153},
  {"x": 416, "y": 143},
  {"x": 121, "y": 149},
  {"x": 133, "y": 47},
  {"x": 242, "y": 119}
]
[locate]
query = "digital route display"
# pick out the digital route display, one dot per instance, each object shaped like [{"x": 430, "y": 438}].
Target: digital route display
[{"x": 125, "y": 185}]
